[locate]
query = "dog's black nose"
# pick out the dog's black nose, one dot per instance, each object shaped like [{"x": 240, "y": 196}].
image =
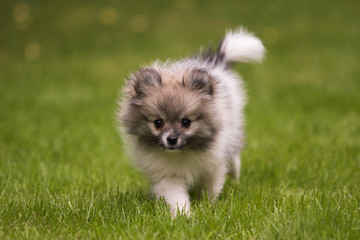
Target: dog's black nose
[{"x": 172, "y": 140}]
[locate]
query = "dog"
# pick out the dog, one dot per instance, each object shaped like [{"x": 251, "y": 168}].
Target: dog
[{"x": 183, "y": 122}]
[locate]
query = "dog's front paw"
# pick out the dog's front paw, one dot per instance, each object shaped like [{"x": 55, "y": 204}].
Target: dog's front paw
[
  {"x": 175, "y": 193},
  {"x": 183, "y": 210}
]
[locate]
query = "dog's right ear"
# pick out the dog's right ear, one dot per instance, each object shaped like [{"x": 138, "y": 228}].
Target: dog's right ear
[{"x": 143, "y": 80}]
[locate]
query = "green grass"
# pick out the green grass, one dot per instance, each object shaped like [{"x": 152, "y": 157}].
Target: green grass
[{"x": 63, "y": 173}]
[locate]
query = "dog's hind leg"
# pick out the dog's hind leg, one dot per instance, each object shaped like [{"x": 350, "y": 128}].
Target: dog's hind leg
[
  {"x": 215, "y": 184},
  {"x": 235, "y": 165}
]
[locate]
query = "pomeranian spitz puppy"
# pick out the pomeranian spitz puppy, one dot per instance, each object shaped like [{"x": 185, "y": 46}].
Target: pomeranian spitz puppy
[{"x": 182, "y": 121}]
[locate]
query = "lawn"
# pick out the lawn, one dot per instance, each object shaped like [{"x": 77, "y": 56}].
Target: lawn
[{"x": 64, "y": 175}]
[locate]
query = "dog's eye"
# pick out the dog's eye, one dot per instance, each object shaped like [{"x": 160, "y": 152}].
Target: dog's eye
[
  {"x": 185, "y": 122},
  {"x": 158, "y": 123}
]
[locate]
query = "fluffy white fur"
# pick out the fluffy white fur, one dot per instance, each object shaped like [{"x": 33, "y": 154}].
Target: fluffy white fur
[
  {"x": 172, "y": 174},
  {"x": 242, "y": 46}
]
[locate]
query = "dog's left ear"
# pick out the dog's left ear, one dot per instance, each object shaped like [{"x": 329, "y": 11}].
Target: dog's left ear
[
  {"x": 144, "y": 80},
  {"x": 200, "y": 80}
]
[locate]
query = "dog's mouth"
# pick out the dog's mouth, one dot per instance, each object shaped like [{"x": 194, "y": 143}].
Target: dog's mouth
[{"x": 172, "y": 149}]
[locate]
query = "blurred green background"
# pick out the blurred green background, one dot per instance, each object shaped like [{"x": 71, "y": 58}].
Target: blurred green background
[{"x": 62, "y": 65}]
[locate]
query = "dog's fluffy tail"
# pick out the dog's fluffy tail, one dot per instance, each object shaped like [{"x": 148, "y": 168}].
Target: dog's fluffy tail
[
  {"x": 241, "y": 46},
  {"x": 238, "y": 46}
]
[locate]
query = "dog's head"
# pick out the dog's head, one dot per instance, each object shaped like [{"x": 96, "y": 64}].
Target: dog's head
[{"x": 171, "y": 111}]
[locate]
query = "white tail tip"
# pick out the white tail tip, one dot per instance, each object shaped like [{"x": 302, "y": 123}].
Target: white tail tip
[{"x": 242, "y": 46}]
